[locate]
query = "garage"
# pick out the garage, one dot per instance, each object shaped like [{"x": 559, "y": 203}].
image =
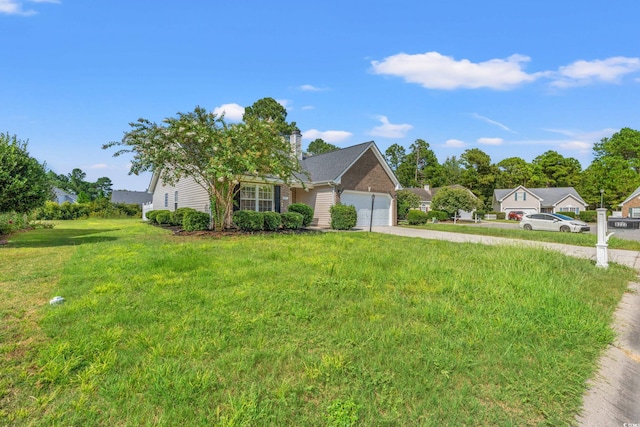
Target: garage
[{"x": 362, "y": 202}]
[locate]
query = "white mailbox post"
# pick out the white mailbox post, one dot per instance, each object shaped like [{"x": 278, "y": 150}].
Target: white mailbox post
[{"x": 602, "y": 257}]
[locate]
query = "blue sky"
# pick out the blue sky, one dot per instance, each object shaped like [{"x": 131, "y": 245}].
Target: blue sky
[{"x": 508, "y": 77}]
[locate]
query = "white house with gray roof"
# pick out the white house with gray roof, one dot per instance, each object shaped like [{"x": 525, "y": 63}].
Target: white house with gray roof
[
  {"x": 533, "y": 200},
  {"x": 357, "y": 175}
]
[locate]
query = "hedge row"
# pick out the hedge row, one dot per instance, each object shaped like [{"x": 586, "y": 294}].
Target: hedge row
[
  {"x": 189, "y": 219},
  {"x": 252, "y": 221},
  {"x": 99, "y": 208}
]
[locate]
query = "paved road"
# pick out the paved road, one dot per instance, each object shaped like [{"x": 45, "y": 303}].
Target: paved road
[{"x": 613, "y": 397}]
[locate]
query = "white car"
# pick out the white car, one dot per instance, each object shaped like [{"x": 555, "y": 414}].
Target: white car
[{"x": 553, "y": 222}]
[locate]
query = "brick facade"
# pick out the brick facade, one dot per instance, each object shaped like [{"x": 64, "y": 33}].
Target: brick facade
[
  {"x": 367, "y": 174},
  {"x": 626, "y": 208}
]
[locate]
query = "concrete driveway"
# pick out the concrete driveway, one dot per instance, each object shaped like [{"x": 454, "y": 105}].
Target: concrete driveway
[{"x": 613, "y": 396}]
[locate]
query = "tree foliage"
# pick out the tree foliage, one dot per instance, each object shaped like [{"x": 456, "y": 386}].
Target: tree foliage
[
  {"x": 75, "y": 183},
  {"x": 216, "y": 155},
  {"x": 406, "y": 200},
  {"x": 417, "y": 168},
  {"x": 557, "y": 170},
  {"x": 270, "y": 110},
  {"x": 319, "y": 146},
  {"x": 452, "y": 200},
  {"x": 23, "y": 181}
]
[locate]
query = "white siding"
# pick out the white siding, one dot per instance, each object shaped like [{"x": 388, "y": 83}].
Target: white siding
[
  {"x": 190, "y": 194},
  {"x": 569, "y": 202},
  {"x": 320, "y": 199}
]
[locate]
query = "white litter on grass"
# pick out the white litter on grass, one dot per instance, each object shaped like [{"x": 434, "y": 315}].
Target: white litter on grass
[{"x": 56, "y": 301}]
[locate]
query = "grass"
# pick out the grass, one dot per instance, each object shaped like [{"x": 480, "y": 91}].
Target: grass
[
  {"x": 316, "y": 329},
  {"x": 576, "y": 239}
]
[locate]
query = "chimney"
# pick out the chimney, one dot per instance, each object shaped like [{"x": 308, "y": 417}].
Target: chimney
[
  {"x": 296, "y": 144},
  {"x": 426, "y": 188}
]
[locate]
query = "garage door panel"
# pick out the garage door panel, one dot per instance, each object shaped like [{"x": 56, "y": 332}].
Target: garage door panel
[{"x": 362, "y": 203}]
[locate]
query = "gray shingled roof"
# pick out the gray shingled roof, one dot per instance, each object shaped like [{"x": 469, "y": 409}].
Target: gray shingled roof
[
  {"x": 549, "y": 196},
  {"x": 329, "y": 166},
  {"x": 131, "y": 197}
]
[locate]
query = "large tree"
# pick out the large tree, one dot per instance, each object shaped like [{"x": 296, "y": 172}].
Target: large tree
[
  {"x": 395, "y": 155},
  {"x": 23, "y": 181},
  {"x": 216, "y": 155},
  {"x": 557, "y": 170},
  {"x": 270, "y": 110},
  {"x": 624, "y": 144},
  {"x": 319, "y": 146},
  {"x": 479, "y": 174},
  {"x": 417, "y": 168}
]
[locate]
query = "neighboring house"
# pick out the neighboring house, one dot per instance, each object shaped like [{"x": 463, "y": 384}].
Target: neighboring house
[
  {"x": 426, "y": 194},
  {"x": 356, "y": 175},
  {"x": 131, "y": 197},
  {"x": 533, "y": 200},
  {"x": 631, "y": 205},
  {"x": 62, "y": 196}
]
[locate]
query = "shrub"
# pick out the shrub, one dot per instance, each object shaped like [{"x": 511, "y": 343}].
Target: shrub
[
  {"x": 499, "y": 215},
  {"x": 343, "y": 217},
  {"x": 151, "y": 216},
  {"x": 154, "y": 215},
  {"x": 163, "y": 218},
  {"x": 292, "y": 220},
  {"x": 569, "y": 214},
  {"x": 177, "y": 216},
  {"x": 249, "y": 220},
  {"x": 272, "y": 221},
  {"x": 588, "y": 216},
  {"x": 417, "y": 217},
  {"x": 305, "y": 210},
  {"x": 194, "y": 220},
  {"x": 439, "y": 215}
]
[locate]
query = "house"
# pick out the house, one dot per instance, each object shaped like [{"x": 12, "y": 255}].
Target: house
[
  {"x": 426, "y": 194},
  {"x": 131, "y": 197},
  {"x": 532, "y": 200},
  {"x": 62, "y": 196},
  {"x": 631, "y": 205},
  {"x": 356, "y": 175}
]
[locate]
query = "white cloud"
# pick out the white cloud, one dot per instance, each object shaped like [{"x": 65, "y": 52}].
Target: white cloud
[
  {"x": 99, "y": 166},
  {"x": 15, "y": 7},
  {"x": 232, "y": 112},
  {"x": 435, "y": 71},
  {"x": 389, "y": 130},
  {"x": 490, "y": 141},
  {"x": 454, "y": 143},
  {"x": 331, "y": 136},
  {"x": 580, "y": 146},
  {"x": 311, "y": 88},
  {"x": 492, "y": 122},
  {"x": 308, "y": 107},
  {"x": 608, "y": 70}
]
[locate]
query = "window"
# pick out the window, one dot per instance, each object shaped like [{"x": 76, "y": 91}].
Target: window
[
  {"x": 635, "y": 212},
  {"x": 166, "y": 200},
  {"x": 256, "y": 197},
  {"x": 521, "y": 195},
  {"x": 570, "y": 209}
]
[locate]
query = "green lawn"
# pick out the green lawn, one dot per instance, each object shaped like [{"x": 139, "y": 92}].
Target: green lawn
[
  {"x": 315, "y": 329},
  {"x": 576, "y": 239}
]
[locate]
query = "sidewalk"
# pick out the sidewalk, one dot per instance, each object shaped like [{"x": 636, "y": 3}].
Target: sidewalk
[{"x": 613, "y": 397}]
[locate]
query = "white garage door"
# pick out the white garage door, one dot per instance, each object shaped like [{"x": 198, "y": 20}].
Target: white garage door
[{"x": 362, "y": 202}]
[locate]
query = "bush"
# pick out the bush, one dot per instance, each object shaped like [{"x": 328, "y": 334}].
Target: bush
[
  {"x": 588, "y": 216},
  {"x": 439, "y": 215},
  {"x": 569, "y": 214},
  {"x": 163, "y": 218},
  {"x": 272, "y": 221},
  {"x": 194, "y": 220},
  {"x": 343, "y": 217},
  {"x": 292, "y": 220},
  {"x": 417, "y": 217},
  {"x": 177, "y": 216},
  {"x": 151, "y": 216},
  {"x": 305, "y": 210},
  {"x": 249, "y": 220},
  {"x": 499, "y": 215},
  {"x": 154, "y": 215}
]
